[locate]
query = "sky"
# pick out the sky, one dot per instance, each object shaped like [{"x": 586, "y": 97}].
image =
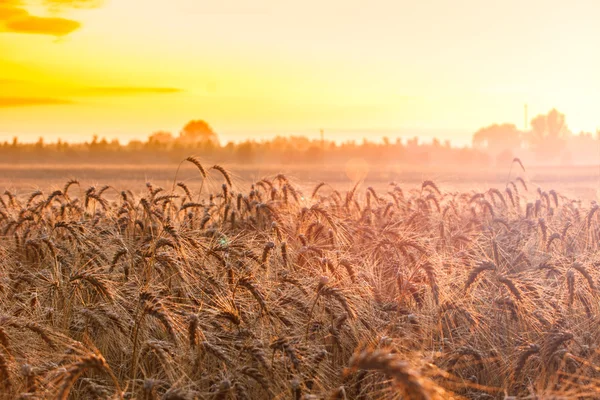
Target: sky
[{"x": 257, "y": 68}]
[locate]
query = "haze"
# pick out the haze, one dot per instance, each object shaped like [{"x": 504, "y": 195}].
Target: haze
[{"x": 123, "y": 69}]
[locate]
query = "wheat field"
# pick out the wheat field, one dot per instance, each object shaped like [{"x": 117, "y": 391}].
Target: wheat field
[{"x": 278, "y": 291}]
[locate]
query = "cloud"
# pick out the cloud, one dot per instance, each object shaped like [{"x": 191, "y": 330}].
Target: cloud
[
  {"x": 129, "y": 90},
  {"x": 8, "y": 12},
  {"x": 16, "y": 19},
  {"x": 41, "y": 25},
  {"x": 31, "y": 101}
]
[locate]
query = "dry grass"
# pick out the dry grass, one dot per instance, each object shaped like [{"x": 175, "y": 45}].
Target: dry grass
[{"x": 281, "y": 292}]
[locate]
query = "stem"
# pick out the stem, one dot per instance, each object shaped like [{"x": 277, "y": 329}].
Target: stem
[
  {"x": 134, "y": 353},
  {"x": 175, "y": 179},
  {"x": 311, "y": 312}
]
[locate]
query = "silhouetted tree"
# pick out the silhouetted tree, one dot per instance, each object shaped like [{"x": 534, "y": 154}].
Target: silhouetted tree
[
  {"x": 548, "y": 134},
  {"x": 160, "y": 139},
  {"x": 497, "y": 138},
  {"x": 245, "y": 152},
  {"x": 198, "y": 131}
]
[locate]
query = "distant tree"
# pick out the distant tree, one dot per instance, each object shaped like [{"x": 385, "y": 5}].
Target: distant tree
[
  {"x": 314, "y": 154},
  {"x": 584, "y": 144},
  {"x": 548, "y": 134},
  {"x": 497, "y": 139},
  {"x": 98, "y": 144},
  {"x": 245, "y": 152},
  {"x": 198, "y": 131},
  {"x": 103, "y": 144},
  {"x": 135, "y": 145},
  {"x": 160, "y": 139},
  {"x": 414, "y": 142}
]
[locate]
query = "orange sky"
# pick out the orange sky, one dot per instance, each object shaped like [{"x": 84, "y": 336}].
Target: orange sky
[{"x": 125, "y": 68}]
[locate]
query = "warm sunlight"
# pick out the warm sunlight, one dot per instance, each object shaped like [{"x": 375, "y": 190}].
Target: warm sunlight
[
  {"x": 123, "y": 69},
  {"x": 305, "y": 200}
]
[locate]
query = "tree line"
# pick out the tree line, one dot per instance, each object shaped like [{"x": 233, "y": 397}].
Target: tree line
[
  {"x": 548, "y": 138},
  {"x": 548, "y": 141}
]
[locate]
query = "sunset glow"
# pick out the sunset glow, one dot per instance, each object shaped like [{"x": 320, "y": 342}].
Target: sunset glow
[{"x": 125, "y": 68}]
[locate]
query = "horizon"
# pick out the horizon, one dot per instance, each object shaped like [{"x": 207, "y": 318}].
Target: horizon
[
  {"x": 337, "y": 136},
  {"x": 75, "y": 68}
]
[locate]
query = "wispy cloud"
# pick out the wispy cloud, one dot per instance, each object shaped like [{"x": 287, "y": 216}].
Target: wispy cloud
[
  {"x": 31, "y": 101},
  {"x": 128, "y": 90},
  {"x": 62, "y": 4},
  {"x": 227, "y": 7}
]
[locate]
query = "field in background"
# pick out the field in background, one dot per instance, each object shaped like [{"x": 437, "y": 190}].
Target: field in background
[{"x": 581, "y": 182}]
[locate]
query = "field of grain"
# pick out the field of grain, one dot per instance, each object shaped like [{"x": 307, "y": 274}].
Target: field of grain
[
  {"x": 203, "y": 282},
  {"x": 580, "y": 182}
]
